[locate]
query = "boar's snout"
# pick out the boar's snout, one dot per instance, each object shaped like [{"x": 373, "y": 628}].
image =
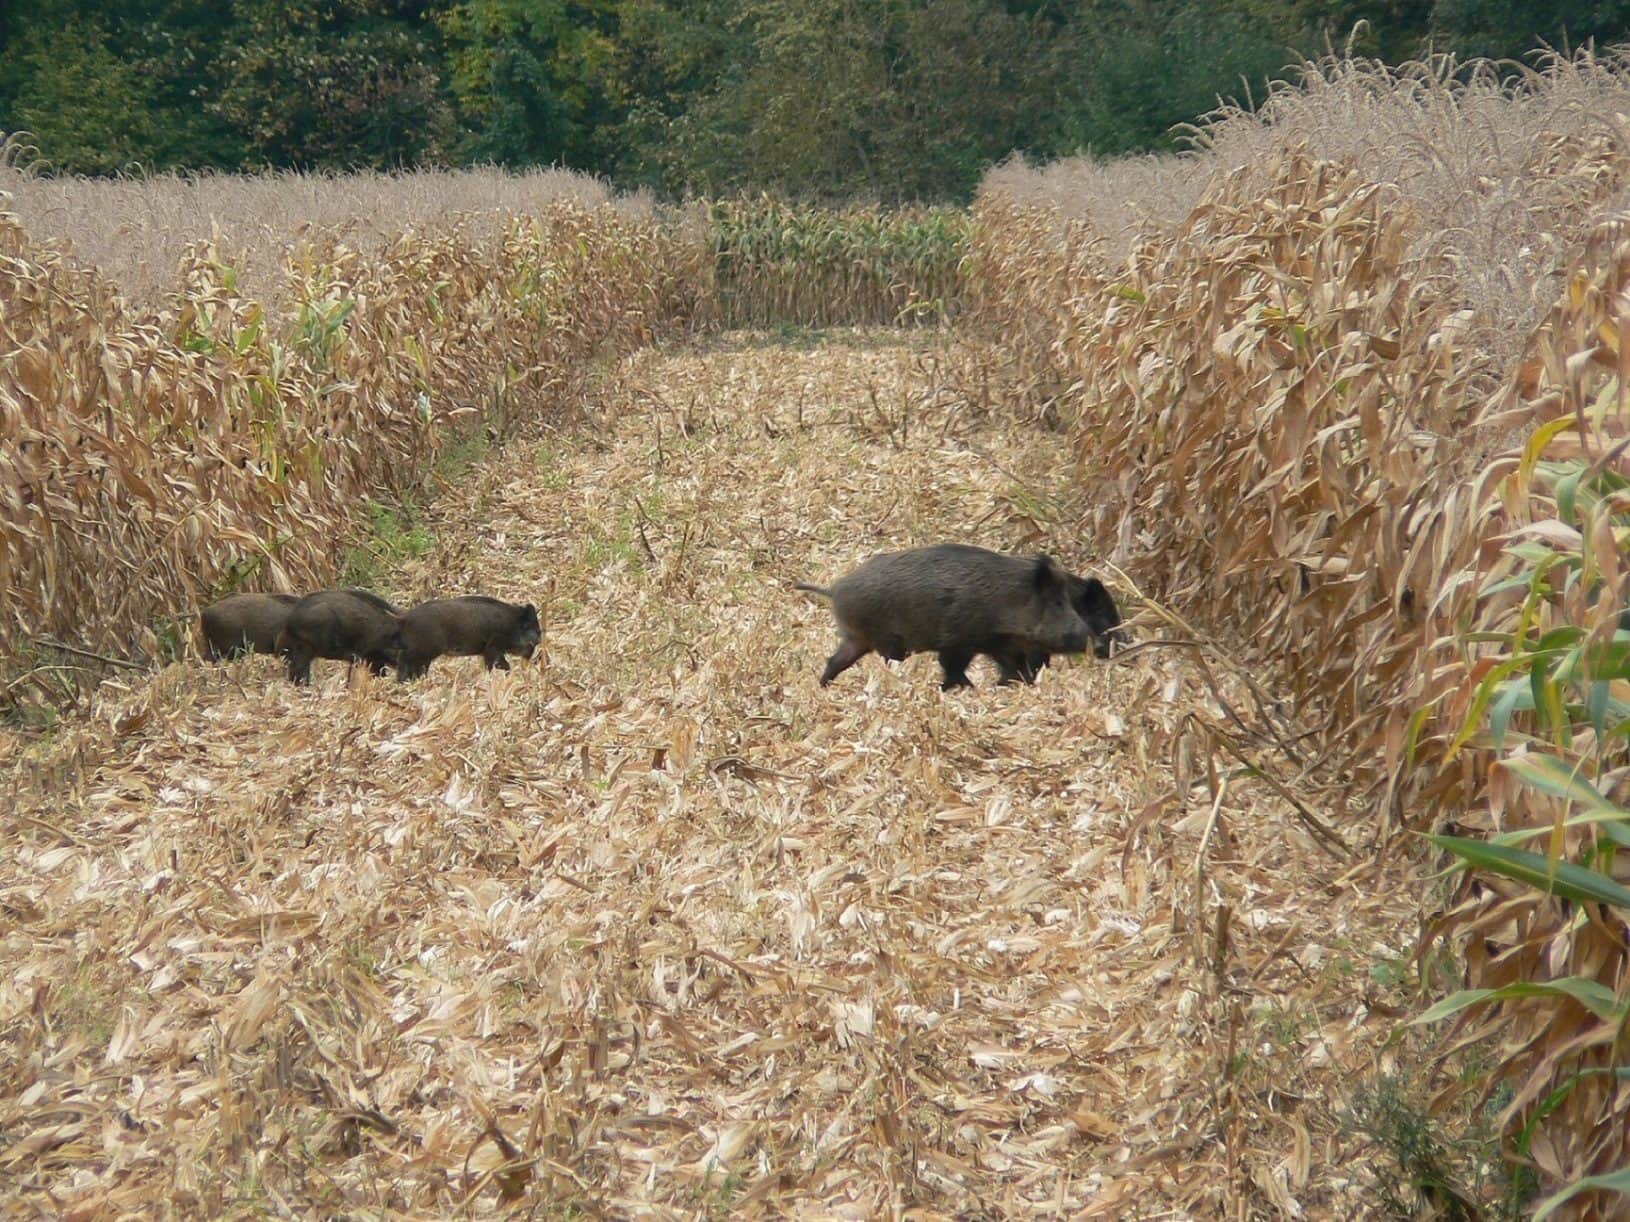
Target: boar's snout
[
  {"x": 530, "y": 633},
  {"x": 1093, "y": 604},
  {"x": 1077, "y": 639}
]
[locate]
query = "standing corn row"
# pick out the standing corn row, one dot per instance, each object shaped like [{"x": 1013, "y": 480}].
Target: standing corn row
[
  {"x": 1279, "y": 407},
  {"x": 150, "y": 461}
]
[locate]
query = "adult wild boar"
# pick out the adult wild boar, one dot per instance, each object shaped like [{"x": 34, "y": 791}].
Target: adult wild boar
[
  {"x": 1096, "y": 608},
  {"x": 244, "y": 623},
  {"x": 345, "y": 625},
  {"x": 956, "y": 600},
  {"x": 466, "y": 627}
]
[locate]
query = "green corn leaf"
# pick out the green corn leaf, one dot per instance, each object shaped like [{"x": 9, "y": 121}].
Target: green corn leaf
[
  {"x": 1591, "y": 994},
  {"x": 1548, "y": 774},
  {"x": 1597, "y": 703},
  {"x": 1609, "y": 660},
  {"x": 1412, "y": 739},
  {"x": 1485, "y": 691},
  {"x": 1515, "y": 697},
  {"x": 1613, "y": 820},
  {"x": 1566, "y": 489},
  {"x": 1567, "y": 880},
  {"x": 1613, "y": 1181}
]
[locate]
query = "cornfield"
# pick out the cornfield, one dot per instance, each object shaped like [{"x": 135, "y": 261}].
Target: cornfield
[
  {"x": 1303, "y": 413},
  {"x": 137, "y": 231},
  {"x": 156, "y": 457},
  {"x": 1346, "y": 387}
]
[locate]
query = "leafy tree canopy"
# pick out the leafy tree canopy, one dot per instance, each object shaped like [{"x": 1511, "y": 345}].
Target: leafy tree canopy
[{"x": 892, "y": 99}]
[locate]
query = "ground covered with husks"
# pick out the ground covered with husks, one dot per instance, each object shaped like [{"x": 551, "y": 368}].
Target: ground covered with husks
[{"x": 652, "y": 924}]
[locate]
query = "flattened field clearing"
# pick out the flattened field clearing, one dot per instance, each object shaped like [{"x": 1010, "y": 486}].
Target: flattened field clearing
[{"x": 653, "y": 924}]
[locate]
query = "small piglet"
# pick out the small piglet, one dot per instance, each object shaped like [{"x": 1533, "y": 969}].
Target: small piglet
[
  {"x": 346, "y": 625},
  {"x": 958, "y": 601},
  {"x": 467, "y": 626},
  {"x": 244, "y": 623}
]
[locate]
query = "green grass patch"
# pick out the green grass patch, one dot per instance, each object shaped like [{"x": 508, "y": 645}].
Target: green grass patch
[
  {"x": 85, "y": 1006},
  {"x": 463, "y": 454},
  {"x": 395, "y": 534},
  {"x": 1452, "y": 1170},
  {"x": 551, "y": 478},
  {"x": 604, "y": 549}
]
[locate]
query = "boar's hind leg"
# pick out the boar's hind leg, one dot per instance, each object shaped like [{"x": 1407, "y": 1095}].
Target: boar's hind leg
[
  {"x": 954, "y": 662},
  {"x": 848, "y": 652},
  {"x": 495, "y": 660}
]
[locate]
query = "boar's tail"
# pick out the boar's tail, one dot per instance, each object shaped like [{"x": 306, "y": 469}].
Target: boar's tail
[{"x": 804, "y": 585}]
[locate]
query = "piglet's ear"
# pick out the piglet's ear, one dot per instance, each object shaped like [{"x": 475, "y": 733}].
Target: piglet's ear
[
  {"x": 1047, "y": 572},
  {"x": 530, "y": 609}
]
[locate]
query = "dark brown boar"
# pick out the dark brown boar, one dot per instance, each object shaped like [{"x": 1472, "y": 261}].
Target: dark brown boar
[
  {"x": 244, "y": 623},
  {"x": 345, "y": 625},
  {"x": 1092, "y": 602},
  {"x": 956, "y": 600},
  {"x": 465, "y": 627}
]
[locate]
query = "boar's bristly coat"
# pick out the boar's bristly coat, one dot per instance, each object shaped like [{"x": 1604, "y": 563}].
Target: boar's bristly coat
[
  {"x": 467, "y": 626},
  {"x": 244, "y": 623},
  {"x": 345, "y": 625},
  {"x": 955, "y": 600}
]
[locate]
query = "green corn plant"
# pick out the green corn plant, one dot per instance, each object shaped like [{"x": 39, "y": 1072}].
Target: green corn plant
[
  {"x": 1553, "y": 705},
  {"x": 777, "y": 263}
]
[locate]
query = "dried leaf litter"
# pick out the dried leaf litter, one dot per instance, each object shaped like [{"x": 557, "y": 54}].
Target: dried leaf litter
[{"x": 654, "y": 926}]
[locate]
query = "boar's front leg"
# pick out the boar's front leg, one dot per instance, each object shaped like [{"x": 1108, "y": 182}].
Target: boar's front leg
[
  {"x": 412, "y": 668},
  {"x": 1016, "y": 665},
  {"x": 848, "y": 652},
  {"x": 954, "y": 662},
  {"x": 494, "y": 658},
  {"x": 299, "y": 659}
]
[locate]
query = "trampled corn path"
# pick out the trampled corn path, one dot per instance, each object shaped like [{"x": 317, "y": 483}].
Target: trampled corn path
[{"x": 654, "y": 924}]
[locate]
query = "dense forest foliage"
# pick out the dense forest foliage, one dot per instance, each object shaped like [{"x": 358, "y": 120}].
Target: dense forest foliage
[{"x": 892, "y": 99}]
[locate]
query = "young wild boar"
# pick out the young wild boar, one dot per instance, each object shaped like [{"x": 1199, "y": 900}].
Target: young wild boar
[
  {"x": 346, "y": 625},
  {"x": 1094, "y": 605},
  {"x": 466, "y": 626},
  {"x": 244, "y": 623},
  {"x": 956, "y": 600}
]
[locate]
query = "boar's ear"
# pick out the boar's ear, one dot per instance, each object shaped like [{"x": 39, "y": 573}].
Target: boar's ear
[{"x": 1047, "y": 572}]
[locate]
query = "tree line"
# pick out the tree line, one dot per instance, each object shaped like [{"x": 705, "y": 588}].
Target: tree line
[{"x": 888, "y": 99}]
